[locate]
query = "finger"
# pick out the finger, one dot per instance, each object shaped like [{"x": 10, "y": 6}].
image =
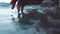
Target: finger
[
  {"x": 13, "y": 2},
  {"x": 18, "y": 5}
]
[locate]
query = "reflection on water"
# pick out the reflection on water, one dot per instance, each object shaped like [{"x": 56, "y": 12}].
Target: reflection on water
[{"x": 35, "y": 20}]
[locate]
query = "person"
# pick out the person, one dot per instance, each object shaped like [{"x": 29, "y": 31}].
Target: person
[{"x": 22, "y": 3}]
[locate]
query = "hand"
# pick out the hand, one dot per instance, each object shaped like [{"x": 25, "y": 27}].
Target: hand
[{"x": 13, "y": 2}]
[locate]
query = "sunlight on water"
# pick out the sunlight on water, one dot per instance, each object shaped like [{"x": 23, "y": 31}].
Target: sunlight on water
[{"x": 7, "y": 1}]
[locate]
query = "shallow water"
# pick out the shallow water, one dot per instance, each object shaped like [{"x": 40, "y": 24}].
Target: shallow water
[{"x": 9, "y": 25}]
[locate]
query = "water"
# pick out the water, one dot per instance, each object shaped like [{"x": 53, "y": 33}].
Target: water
[{"x": 8, "y": 26}]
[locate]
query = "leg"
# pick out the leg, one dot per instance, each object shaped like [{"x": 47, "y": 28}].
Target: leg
[
  {"x": 21, "y": 16},
  {"x": 18, "y": 15},
  {"x": 22, "y": 8}
]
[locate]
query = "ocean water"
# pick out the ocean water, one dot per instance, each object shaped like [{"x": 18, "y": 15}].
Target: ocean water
[{"x": 8, "y": 26}]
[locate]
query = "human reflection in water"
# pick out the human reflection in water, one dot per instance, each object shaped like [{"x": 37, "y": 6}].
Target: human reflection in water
[{"x": 31, "y": 20}]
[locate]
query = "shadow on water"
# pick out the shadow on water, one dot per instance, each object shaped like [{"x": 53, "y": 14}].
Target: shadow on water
[
  {"x": 15, "y": 23},
  {"x": 13, "y": 18},
  {"x": 47, "y": 20}
]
